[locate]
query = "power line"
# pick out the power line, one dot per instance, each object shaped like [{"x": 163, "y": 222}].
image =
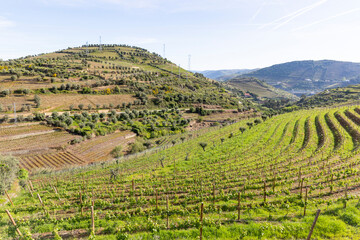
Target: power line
[
  {"x": 189, "y": 62},
  {"x": 164, "y": 50}
]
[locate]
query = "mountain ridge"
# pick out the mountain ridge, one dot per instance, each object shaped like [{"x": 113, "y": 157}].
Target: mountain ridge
[{"x": 308, "y": 76}]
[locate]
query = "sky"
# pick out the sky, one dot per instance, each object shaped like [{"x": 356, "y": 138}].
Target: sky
[{"x": 217, "y": 34}]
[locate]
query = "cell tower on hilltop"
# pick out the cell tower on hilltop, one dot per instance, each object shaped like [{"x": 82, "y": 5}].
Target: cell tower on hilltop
[
  {"x": 100, "y": 46},
  {"x": 164, "y": 50},
  {"x": 189, "y": 62},
  {"x": 87, "y": 48}
]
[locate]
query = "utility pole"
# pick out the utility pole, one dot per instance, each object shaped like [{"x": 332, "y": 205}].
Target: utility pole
[
  {"x": 189, "y": 61},
  {"x": 164, "y": 51},
  {"x": 100, "y": 46}
]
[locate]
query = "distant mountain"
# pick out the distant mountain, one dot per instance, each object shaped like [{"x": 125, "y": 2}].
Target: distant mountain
[
  {"x": 309, "y": 77},
  {"x": 260, "y": 88},
  {"x": 225, "y": 74}
]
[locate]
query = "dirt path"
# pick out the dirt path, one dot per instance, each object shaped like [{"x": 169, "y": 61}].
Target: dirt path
[
  {"x": 19, "y": 125},
  {"x": 25, "y": 135}
]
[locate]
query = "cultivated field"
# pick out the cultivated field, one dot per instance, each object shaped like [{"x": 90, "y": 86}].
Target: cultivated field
[{"x": 264, "y": 183}]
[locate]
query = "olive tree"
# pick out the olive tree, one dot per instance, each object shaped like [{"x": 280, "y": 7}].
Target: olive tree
[{"x": 8, "y": 172}]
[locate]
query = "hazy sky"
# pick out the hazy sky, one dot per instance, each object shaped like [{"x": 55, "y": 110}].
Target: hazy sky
[{"x": 219, "y": 34}]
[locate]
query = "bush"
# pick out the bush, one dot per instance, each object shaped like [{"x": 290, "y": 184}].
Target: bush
[
  {"x": 137, "y": 146},
  {"x": 23, "y": 174},
  {"x": 117, "y": 152},
  {"x": 8, "y": 171}
]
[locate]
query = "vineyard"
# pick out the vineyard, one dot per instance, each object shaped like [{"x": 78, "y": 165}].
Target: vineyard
[
  {"x": 98, "y": 149},
  {"x": 50, "y": 161},
  {"x": 262, "y": 179}
]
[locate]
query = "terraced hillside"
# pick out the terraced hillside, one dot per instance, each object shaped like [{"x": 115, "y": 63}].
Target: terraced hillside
[
  {"x": 261, "y": 179},
  {"x": 118, "y": 76}
]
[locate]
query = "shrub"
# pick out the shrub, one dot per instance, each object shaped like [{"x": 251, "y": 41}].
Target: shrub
[
  {"x": 137, "y": 146},
  {"x": 8, "y": 171},
  {"x": 117, "y": 152}
]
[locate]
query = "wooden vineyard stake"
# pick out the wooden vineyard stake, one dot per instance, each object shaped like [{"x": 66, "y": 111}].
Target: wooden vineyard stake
[
  {"x": 301, "y": 187},
  {"x": 156, "y": 199},
  {"x": 313, "y": 225},
  {"x": 306, "y": 196},
  {"x": 7, "y": 195},
  {"x": 345, "y": 199},
  {"x": 331, "y": 187},
  {"x": 40, "y": 200},
  {"x": 264, "y": 191},
  {"x": 213, "y": 193},
  {"x": 201, "y": 219},
  {"x": 31, "y": 185},
  {"x": 30, "y": 191},
  {"x": 55, "y": 190},
  {"x": 92, "y": 220},
  {"x": 81, "y": 203},
  {"x": 238, "y": 206},
  {"x": 133, "y": 185},
  {"x": 274, "y": 181},
  {"x": 13, "y": 222},
  {"x": 42, "y": 203},
  {"x": 167, "y": 212}
]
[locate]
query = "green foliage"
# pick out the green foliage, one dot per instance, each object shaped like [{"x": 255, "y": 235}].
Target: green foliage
[
  {"x": 137, "y": 146},
  {"x": 23, "y": 174},
  {"x": 117, "y": 152},
  {"x": 8, "y": 172}
]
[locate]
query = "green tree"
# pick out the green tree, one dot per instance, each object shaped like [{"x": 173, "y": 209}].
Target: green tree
[
  {"x": 37, "y": 101},
  {"x": 8, "y": 171}
]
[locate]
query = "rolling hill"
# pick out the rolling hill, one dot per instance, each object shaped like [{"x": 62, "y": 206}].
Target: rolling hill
[
  {"x": 309, "y": 77},
  {"x": 74, "y": 106},
  {"x": 260, "y": 88},
  {"x": 97, "y": 78}
]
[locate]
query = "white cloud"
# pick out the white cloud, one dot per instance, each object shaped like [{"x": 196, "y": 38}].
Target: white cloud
[
  {"x": 289, "y": 17},
  {"x": 328, "y": 18}
]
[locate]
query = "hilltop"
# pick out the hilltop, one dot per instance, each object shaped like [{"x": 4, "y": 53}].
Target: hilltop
[
  {"x": 117, "y": 74},
  {"x": 309, "y": 77}
]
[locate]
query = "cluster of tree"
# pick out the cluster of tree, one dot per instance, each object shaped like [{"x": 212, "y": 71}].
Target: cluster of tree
[{"x": 145, "y": 123}]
